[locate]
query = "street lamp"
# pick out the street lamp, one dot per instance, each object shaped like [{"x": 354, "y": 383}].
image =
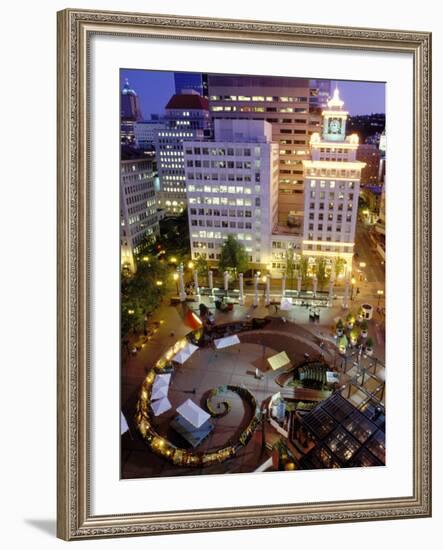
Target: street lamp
[
  {"x": 159, "y": 283},
  {"x": 175, "y": 277},
  {"x": 380, "y": 294},
  {"x": 352, "y": 287},
  {"x": 191, "y": 265}
]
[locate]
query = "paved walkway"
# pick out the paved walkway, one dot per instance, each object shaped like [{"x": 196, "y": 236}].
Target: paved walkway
[{"x": 207, "y": 369}]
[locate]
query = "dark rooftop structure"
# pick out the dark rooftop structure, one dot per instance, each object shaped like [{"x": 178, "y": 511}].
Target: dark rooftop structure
[
  {"x": 188, "y": 101},
  {"x": 343, "y": 435}
]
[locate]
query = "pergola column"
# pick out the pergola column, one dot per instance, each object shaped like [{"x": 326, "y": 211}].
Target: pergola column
[
  {"x": 241, "y": 298},
  {"x": 181, "y": 279},
  {"x": 268, "y": 289},
  {"x": 196, "y": 287},
  {"x": 210, "y": 281},
  {"x": 283, "y": 286},
  {"x": 255, "y": 302}
]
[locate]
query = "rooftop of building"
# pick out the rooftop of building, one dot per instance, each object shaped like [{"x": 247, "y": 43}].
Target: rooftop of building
[
  {"x": 242, "y": 131},
  {"x": 129, "y": 152},
  {"x": 283, "y": 230},
  {"x": 259, "y": 81},
  {"x": 153, "y": 122},
  {"x": 188, "y": 101},
  {"x": 127, "y": 89}
]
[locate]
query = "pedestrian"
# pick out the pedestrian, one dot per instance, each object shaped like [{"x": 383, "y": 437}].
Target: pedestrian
[{"x": 276, "y": 308}]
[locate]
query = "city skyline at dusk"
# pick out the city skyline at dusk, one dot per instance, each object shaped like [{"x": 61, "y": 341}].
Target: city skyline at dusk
[
  {"x": 252, "y": 237},
  {"x": 155, "y": 88}
]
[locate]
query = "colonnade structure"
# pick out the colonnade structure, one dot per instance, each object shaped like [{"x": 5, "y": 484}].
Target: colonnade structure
[{"x": 266, "y": 280}]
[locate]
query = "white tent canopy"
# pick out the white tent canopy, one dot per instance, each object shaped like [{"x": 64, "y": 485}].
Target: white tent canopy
[
  {"x": 279, "y": 360},
  {"x": 185, "y": 353},
  {"x": 193, "y": 413},
  {"x": 160, "y": 406},
  {"x": 123, "y": 424},
  {"x": 159, "y": 392},
  {"x": 226, "y": 342},
  {"x": 162, "y": 379}
]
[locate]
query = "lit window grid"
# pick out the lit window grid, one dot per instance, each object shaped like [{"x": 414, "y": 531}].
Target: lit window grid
[{"x": 205, "y": 193}]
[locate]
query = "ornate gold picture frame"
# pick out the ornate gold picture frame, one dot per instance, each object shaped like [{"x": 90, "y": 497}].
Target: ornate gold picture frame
[{"x": 75, "y": 30}]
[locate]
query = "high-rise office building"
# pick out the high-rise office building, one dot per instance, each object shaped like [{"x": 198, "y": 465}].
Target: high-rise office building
[
  {"x": 285, "y": 103},
  {"x": 232, "y": 188},
  {"x": 138, "y": 210},
  {"x": 186, "y": 118},
  {"x": 145, "y": 132},
  {"x": 332, "y": 184}
]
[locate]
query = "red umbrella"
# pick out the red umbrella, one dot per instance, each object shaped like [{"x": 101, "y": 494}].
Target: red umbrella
[{"x": 193, "y": 320}]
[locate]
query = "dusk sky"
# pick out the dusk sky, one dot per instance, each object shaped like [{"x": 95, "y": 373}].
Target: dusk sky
[{"x": 155, "y": 88}]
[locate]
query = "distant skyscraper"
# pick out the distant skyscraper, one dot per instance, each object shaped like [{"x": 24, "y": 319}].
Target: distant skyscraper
[
  {"x": 186, "y": 118},
  {"x": 145, "y": 132},
  {"x": 285, "y": 103},
  {"x": 130, "y": 103},
  {"x": 130, "y": 112},
  {"x": 197, "y": 82}
]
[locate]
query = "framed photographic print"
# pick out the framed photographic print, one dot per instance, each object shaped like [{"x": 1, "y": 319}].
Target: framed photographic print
[{"x": 244, "y": 274}]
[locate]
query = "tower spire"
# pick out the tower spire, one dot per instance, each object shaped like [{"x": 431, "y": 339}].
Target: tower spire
[{"x": 335, "y": 102}]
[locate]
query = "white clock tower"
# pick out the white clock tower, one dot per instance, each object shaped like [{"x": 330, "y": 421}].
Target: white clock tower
[
  {"x": 334, "y": 119},
  {"x": 331, "y": 188}
]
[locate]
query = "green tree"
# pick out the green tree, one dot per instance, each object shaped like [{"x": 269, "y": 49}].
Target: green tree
[
  {"x": 303, "y": 269},
  {"x": 141, "y": 293},
  {"x": 320, "y": 271},
  {"x": 291, "y": 266},
  {"x": 201, "y": 266},
  {"x": 146, "y": 247},
  {"x": 233, "y": 256},
  {"x": 339, "y": 266}
]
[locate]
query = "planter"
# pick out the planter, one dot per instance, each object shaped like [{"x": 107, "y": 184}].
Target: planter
[
  {"x": 364, "y": 333},
  {"x": 339, "y": 332},
  {"x": 369, "y": 351}
]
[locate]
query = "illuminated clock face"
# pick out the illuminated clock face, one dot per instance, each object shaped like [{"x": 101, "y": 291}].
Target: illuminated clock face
[{"x": 334, "y": 125}]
